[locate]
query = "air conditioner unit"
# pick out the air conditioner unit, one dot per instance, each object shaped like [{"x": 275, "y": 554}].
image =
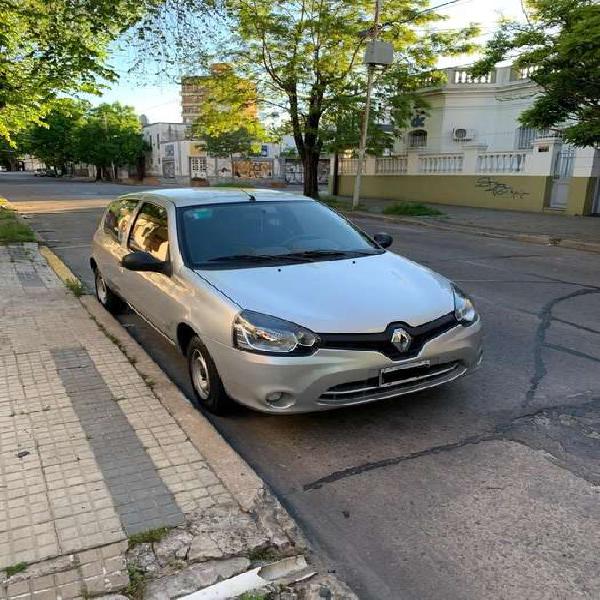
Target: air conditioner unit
[{"x": 460, "y": 134}]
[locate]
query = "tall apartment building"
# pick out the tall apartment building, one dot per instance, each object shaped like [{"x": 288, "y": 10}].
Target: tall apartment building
[{"x": 194, "y": 89}]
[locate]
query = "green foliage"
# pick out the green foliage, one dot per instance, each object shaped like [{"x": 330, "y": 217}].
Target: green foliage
[
  {"x": 55, "y": 139},
  {"x": 12, "y": 230},
  {"x": 412, "y": 209},
  {"x": 137, "y": 583},
  {"x": 53, "y": 48},
  {"x": 305, "y": 59},
  {"x": 73, "y": 131},
  {"x": 110, "y": 135},
  {"x": 75, "y": 287},
  {"x": 560, "y": 46},
  {"x": 14, "y": 569},
  {"x": 228, "y": 121},
  {"x": 152, "y": 536},
  {"x": 239, "y": 141}
]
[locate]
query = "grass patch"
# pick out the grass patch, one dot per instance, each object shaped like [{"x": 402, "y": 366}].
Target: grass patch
[
  {"x": 75, "y": 287},
  {"x": 14, "y": 569},
  {"x": 264, "y": 554},
  {"x": 411, "y": 209},
  {"x": 232, "y": 184},
  {"x": 338, "y": 204},
  {"x": 13, "y": 230},
  {"x": 152, "y": 536},
  {"x": 252, "y": 596},
  {"x": 137, "y": 583}
]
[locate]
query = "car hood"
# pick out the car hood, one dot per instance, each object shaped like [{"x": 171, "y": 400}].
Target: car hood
[{"x": 360, "y": 295}]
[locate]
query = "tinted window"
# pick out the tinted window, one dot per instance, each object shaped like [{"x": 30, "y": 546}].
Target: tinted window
[
  {"x": 150, "y": 233},
  {"x": 266, "y": 228},
  {"x": 117, "y": 218}
]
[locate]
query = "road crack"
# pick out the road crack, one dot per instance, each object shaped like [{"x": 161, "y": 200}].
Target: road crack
[{"x": 546, "y": 318}]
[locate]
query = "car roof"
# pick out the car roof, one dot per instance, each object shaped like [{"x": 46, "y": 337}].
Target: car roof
[{"x": 194, "y": 196}]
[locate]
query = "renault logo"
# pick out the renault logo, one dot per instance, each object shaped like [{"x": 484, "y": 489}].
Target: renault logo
[{"x": 401, "y": 339}]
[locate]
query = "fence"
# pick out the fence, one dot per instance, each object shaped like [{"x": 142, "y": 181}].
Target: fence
[
  {"x": 501, "y": 162},
  {"x": 391, "y": 165},
  {"x": 441, "y": 163}
]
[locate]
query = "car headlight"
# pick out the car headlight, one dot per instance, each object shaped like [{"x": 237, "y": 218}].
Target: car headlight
[
  {"x": 255, "y": 332},
  {"x": 464, "y": 309}
]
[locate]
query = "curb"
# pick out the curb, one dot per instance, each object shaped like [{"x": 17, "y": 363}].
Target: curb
[{"x": 541, "y": 240}]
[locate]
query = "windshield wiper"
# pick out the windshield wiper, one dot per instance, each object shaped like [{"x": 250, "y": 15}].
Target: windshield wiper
[
  {"x": 330, "y": 253},
  {"x": 252, "y": 258}
]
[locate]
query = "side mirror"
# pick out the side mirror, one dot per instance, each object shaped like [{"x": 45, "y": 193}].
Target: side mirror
[
  {"x": 142, "y": 261},
  {"x": 384, "y": 240}
]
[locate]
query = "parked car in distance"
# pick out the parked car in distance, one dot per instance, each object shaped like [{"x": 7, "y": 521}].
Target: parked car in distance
[
  {"x": 39, "y": 173},
  {"x": 279, "y": 302}
]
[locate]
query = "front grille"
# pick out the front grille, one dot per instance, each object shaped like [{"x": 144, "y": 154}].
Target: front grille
[
  {"x": 382, "y": 342},
  {"x": 393, "y": 383}
]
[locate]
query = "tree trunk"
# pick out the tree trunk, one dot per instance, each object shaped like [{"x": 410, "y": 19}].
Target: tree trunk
[
  {"x": 311, "y": 172},
  {"x": 98, "y": 173}
]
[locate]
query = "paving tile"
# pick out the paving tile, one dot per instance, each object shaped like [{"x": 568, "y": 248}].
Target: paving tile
[{"x": 128, "y": 472}]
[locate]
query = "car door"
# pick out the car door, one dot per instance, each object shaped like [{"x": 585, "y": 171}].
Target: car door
[
  {"x": 109, "y": 247},
  {"x": 151, "y": 294}
]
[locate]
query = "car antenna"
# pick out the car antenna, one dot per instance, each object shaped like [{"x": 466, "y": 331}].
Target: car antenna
[{"x": 251, "y": 197}]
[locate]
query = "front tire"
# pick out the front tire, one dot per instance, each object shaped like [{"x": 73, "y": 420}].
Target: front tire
[
  {"x": 205, "y": 379},
  {"x": 109, "y": 300}
]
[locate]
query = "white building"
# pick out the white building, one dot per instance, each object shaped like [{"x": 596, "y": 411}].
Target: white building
[
  {"x": 468, "y": 148},
  {"x": 172, "y": 157},
  {"x": 466, "y": 111}
]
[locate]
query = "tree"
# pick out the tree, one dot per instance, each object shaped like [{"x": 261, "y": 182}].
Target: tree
[
  {"x": 306, "y": 57},
  {"x": 53, "y": 48},
  {"x": 559, "y": 47},
  {"x": 55, "y": 140},
  {"x": 239, "y": 141},
  {"x": 110, "y": 137}
]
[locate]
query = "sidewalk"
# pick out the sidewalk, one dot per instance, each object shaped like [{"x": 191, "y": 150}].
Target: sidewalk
[
  {"x": 544, "y": 228},
  {"x": 109, "y": 481}
]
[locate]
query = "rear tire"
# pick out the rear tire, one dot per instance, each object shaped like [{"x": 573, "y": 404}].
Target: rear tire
[
  {"x": 111, "y": 302},
  {"x": 205, "y": 379}
]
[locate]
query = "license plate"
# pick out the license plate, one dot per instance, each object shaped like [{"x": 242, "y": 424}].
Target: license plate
[{"x": 393, "y": 375}]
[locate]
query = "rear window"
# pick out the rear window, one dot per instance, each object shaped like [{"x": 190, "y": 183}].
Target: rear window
[{"x": 118, "y": 217}]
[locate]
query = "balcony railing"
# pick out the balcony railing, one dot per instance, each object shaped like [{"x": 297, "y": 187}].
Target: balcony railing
[
  {"x": 391, "y": 165},
  {"x": 441, "y": 163},
  {"x": 501, "y": 162}
]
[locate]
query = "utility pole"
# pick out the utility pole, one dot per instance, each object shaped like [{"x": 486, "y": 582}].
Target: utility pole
[{"x": 365, "y": 123}]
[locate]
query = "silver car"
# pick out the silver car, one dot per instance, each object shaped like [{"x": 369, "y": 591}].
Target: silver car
[{"x": 280, "y": 303}]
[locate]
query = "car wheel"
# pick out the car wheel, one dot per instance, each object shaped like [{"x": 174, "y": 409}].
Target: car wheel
[
  {"x": 111, "y": 302},
  {"x": 206, "y": 382}
]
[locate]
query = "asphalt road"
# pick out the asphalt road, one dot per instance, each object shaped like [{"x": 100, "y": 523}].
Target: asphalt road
[{"x": 486, "y": 488}]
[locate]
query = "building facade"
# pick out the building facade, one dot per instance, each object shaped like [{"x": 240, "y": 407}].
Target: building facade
[{"x": 469, "y": 149}]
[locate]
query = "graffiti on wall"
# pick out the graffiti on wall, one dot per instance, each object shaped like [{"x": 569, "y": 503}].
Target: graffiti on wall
[
  {"x": 253, "y": 169},
  {"x": 294, "y": 171},
  {"x": 496, "y": 188}
]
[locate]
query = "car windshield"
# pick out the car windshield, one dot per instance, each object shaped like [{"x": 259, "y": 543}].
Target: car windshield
[{"x": 249, "y": 233}]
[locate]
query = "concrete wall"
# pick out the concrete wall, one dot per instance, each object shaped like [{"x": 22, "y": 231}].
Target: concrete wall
[
  {"x": 508, "y": 192},
  {"x": 581, "y": 195}
]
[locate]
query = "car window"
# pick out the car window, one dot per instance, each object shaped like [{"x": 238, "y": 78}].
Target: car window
[
  {"x": 150, "y": 231},
  {"x": 268, "y": 229},
  {"x": 117, "y": 218}
]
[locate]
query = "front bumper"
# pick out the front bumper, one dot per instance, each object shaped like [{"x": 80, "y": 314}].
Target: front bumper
[{"x": 334, "y": 378}]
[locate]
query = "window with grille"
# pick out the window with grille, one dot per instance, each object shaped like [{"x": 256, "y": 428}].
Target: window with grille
[{"x": 417, "y": 138}]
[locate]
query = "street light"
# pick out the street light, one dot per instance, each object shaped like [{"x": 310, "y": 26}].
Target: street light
[{"x": 380, "y": 54}]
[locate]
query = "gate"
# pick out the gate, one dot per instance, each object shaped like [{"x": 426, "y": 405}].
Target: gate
[
  {"x": 198, "y": 167},
  {"x": 561, "y": 177}
]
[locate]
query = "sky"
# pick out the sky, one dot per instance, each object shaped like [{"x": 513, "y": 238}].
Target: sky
[{"x": 160, "y": 101}]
